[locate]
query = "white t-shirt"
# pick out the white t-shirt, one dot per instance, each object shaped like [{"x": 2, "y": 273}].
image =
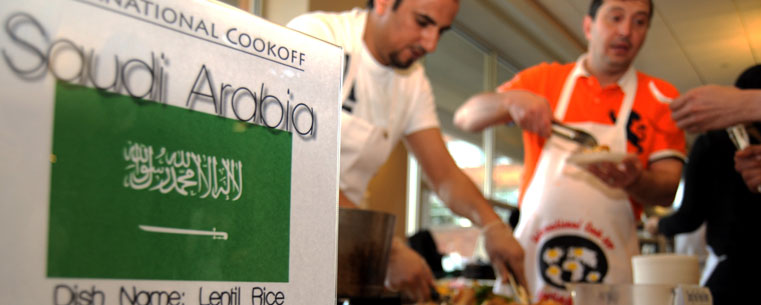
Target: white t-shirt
[{"x": 380, "y": 104}]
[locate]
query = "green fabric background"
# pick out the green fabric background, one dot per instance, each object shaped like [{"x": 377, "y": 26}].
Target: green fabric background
[{"x": 94, "y": 217}]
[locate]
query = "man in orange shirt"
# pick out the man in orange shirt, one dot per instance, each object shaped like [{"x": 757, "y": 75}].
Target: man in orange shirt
[{"x": 578, "y": 221}]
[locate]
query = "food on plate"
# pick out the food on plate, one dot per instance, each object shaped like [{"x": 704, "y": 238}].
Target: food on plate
[
  {"x": 497, "y": 301},
  {"x": 479, "y": 295},
  {"x": 465, "y": 296},
  {"x": 474, "y": 293},
  {"x": 599, "y": 153},
  {"x": 598, "y": 148}
]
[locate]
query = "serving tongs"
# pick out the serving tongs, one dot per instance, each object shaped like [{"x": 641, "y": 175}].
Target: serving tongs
[{"x": 574, "y": 134}]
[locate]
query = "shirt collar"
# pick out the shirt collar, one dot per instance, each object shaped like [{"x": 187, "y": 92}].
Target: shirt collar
[{"x": 627, "y": 82}]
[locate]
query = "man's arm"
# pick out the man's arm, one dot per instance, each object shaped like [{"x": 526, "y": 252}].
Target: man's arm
[
  {"x": 653, "y": 186},
  {"x": 658, "y": 184},
  {"x": 699, "y": 195},
  {"x": 714, "y": 107},
  {"x": 529, "y": 111},
  {"x": 463, "y": 198}
]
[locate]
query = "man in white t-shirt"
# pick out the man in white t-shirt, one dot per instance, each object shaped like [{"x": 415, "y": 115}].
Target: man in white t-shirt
[{"x": 388, "y": 98}]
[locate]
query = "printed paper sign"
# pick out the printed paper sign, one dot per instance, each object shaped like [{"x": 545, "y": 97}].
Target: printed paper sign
[{"x": 165, "y": 153}]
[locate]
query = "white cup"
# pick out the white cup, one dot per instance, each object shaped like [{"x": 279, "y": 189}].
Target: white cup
[{"x": 668, "y": 269}]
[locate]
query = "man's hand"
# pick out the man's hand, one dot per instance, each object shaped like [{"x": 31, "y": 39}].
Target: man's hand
[
  {"x": 528, "y": 110},
  {"x": 618, "y": 175},
  {"x": 504, "y": 250},
  {"x": 651, "y": 225},
  {"x": 712, "y": 107},
  {"x": 408, "y": 273},
  {"x": 748, "y": 164}
]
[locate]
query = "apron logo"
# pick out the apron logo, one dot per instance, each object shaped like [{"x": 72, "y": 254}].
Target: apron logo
[
  {"x": 636, "y": 130},
  {"x": 571, "y": 259}
]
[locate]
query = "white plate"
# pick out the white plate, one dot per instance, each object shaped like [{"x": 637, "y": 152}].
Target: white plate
[{"x": 584, "y": 158}]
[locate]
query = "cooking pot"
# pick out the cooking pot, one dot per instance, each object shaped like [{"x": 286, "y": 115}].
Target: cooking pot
[{"x": 364, "y": 242}]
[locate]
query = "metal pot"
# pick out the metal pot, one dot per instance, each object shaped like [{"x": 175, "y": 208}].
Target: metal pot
[{"x": 364, "y": 242}]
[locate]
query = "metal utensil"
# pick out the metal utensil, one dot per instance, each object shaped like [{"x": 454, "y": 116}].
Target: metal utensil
[
  {"x": 739, "y": 136},
  {"x": 574, "y": 134}
]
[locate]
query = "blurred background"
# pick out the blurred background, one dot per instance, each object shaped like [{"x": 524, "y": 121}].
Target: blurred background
[{"x": 690, "y": 43}]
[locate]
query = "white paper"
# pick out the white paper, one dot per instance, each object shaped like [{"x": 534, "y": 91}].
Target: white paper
[{"x": 231, "y": 46}]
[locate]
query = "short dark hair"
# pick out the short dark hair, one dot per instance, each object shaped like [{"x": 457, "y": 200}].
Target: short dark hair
[
  {"x": 371, "y": 4},
  {"x": 595, "y": 5},
  {"x": 750, "y": 78}
]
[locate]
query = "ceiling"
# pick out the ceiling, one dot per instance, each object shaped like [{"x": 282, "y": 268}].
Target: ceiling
[{"x": 690, "y": 42}]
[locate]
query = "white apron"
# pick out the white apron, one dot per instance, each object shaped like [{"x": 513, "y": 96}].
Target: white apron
[
  {"x": 365, "y": 145},
  {"x": 364, "y": 149},
  {"x": 573, "y": 227}
]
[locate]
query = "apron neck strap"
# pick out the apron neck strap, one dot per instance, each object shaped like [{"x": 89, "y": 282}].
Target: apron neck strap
[{"x": 628, "y": 84}]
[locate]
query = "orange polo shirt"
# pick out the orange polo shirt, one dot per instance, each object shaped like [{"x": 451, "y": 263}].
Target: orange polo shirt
[{"x": 651, "y": 133}]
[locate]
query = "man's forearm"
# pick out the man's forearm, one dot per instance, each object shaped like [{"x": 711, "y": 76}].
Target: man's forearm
[
  {"x": 654, "y": 188},
  {"x": 481, "y": 111},
  {"x": 464, "y": 199},
  {"x": 448, "y": 180}
]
